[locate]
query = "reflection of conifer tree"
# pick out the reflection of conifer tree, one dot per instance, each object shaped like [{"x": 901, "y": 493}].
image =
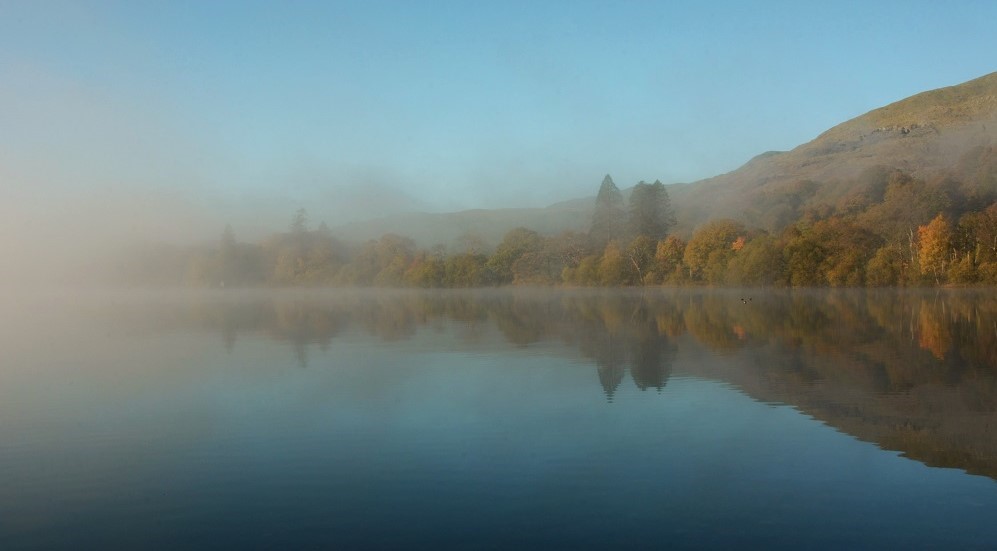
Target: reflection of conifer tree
[
  {"x": 610, "y": 375},
  {"x": 609, "y": 354},
  {"x": 649, "y": 366}
]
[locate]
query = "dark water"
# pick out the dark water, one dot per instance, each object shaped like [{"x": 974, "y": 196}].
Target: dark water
[{"x": 544, "y": 419}]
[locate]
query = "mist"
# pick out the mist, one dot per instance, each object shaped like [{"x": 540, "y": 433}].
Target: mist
[
  {"x": 528, "y": 275},
  {"x": 128, "y": 125}
]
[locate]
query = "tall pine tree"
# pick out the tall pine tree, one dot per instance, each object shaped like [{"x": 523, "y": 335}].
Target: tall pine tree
[
  {"x": 650, "y": 211},
  {"x": 609, "y": 219}
]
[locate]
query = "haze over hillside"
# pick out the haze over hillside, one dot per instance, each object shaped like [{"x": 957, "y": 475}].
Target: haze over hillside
[
  {"x": 927, "y": 135},
  {"x": 935, "y": 133}
]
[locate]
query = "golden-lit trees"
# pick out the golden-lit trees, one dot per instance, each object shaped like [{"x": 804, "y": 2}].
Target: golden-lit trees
[
  {"x": 975, "y": 241},
  {"x": 613, "y": 268},
  {"x": 758, "y": 262},
  {"x": 585, "y": 274},
  {"x": 886, "y": 267},
  {"x": 668, "y": 259},
  {"x": 831, "y": 252},
  {"x": 934, "y": 243},
  {"x": 907, "y": 203},
  {"x": 710, "y": 249}
]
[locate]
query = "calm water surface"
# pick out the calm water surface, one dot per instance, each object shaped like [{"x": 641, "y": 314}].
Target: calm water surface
[{"x": 505, "y": 419}]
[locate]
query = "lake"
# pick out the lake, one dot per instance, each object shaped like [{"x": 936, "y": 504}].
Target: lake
[{"x": 544, "y": 418}]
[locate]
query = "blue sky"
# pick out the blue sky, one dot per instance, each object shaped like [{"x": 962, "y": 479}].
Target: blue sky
[{"x": 244, "y": 111}]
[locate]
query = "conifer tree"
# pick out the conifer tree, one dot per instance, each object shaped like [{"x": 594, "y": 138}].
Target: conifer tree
[
  {"x": 608, "y": 221},
  {"x": 650, "y": 211}
]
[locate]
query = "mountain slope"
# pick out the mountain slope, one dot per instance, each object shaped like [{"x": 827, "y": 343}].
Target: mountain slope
[
  {"x": 925, "y": 135},
  {"x": 948, "y": 131}
]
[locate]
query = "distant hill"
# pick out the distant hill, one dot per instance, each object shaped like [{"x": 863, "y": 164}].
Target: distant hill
[
  {"x": 949, "y": 131},
  {"x": 945, "y": 132}
]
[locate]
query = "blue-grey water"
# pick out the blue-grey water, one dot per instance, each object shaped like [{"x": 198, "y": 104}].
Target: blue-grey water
[{"x": 551, "y": 419}]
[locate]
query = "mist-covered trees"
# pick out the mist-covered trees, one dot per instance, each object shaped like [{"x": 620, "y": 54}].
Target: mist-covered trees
[
  {"x": 517, "y": 243},
  {"x": 650, "y": 213},
  {"x": 303, "y": 256},
  {"x": 230, "y": 264},
  {"x": 889, "y": 229},
  {"x": 609, "y": 218}
]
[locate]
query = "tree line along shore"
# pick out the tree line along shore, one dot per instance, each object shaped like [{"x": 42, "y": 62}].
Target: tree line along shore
[{"x": 897, "y": 230}]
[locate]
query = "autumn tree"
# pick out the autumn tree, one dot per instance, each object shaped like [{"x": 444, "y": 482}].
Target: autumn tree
[
  {"x": 427, "y": 269},
  {"x": 586, "y": 273},
  {"x": 515, "y": 244},
  {"x": 711, "y": 248},
  {"x": 907, "y": 203},
  {"x": 394, "y": 255},
  {"x": 570, "y": 248},
  {"x": 887, "y": 267},
  {"x": 832, "y": 251},
  {"x": 614, "y": 266},
  {"x": 640, "y": 256},
  {"x": 467, "y": 270},
  {"x": 758, "y": 262},
  {"x": 934, "y": 240},
  {"x": 668, "y": 259}
]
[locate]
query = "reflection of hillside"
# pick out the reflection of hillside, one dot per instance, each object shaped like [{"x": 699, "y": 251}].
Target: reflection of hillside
[{"x": 910, "y": 371}]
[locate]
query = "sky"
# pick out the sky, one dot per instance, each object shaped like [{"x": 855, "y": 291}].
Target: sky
[{"x": 172, "y": 118}]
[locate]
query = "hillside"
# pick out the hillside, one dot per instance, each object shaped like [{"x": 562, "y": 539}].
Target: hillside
[{"x": 948, "y": 131}]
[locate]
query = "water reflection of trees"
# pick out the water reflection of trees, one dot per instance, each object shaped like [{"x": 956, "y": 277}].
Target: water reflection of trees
[{"x": 912, "y": 371}]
